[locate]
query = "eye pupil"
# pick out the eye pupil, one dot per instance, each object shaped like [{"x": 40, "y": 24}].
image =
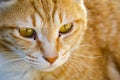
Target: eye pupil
[{"x": 64, "y": 26}]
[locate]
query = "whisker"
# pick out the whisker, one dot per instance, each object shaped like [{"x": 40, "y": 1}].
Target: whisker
[
  {"x": 15, "y": 53},
  {"x": 13, "y": 60},
  {"x": 25, "y": 71},
  {"x": 82, "y": 63},
  {"x": 9, "y": 66},
  {"x": 87, "y": 65},
  {"x": 75, "y": 66},
  {"x": 9, "y": 54},
  {"x": 23, "y": 66},
  {"x": 10, "y": 51},
  {"x": 89, "y": 56},
  {"x": 80, "y": 46}
]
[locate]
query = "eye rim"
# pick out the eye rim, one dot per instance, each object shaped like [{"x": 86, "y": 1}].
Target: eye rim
[
  {"x": 69, "y": 30},
  {"x": 33, "y": 34}
]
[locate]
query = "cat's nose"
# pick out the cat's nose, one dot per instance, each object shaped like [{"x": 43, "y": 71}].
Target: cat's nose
[{"x": 50, "y": 60}]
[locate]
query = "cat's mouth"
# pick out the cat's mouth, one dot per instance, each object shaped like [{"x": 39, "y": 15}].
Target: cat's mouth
[
  {"x": 39, "y": 63},
  {"x": 35, "y": 63}
]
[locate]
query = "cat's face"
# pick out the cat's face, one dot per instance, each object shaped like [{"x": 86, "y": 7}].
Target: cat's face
[{"x": 42, "y": 32}]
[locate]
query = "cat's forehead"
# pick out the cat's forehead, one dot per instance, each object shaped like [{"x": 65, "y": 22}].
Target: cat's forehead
[{"x": 46, "y": 9}]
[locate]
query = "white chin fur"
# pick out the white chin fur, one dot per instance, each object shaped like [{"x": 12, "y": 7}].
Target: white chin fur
[{"x": 47, "y": 67}]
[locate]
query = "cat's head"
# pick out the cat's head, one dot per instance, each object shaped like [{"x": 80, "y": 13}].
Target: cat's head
[{"x": 43, "y": 32}]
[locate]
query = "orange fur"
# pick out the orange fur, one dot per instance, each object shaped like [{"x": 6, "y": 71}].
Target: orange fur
[{"x": 94, "y": 42}]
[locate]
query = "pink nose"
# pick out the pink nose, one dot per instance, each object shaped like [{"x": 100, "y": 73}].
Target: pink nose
[{"x": 51, "y": 60}]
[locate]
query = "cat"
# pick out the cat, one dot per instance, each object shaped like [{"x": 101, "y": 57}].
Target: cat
[{"x": 59, "y": 40}]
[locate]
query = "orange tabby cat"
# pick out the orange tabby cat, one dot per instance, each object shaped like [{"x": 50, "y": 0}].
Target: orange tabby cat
[{"x": 59, "y": 40}]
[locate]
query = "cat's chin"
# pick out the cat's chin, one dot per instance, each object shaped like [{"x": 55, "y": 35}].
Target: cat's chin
[{"x": 49, "y": 69}]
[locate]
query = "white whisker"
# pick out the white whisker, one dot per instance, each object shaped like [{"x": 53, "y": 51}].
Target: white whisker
[
  {"x": 81, "y": 46},
  {"x": 90, "y": 56},
  {"x": 9, "y": 55},
  {"x": 75, "y": 66},
  {"x": 12, "y": 69},
  {"x": 82, "y": 63},
  {"x": 9, "y": 51},
  {"x": 25, "y": 71},
  {"x": 13, "y": 60}
]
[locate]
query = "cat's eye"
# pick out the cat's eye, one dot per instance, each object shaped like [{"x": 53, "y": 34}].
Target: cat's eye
[
  {"x": 27, "y": 32},
  {"x": 66, "y": 28}
]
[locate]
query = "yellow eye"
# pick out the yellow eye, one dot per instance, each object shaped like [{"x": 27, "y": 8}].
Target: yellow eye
[
  {"x": 27, "y": 32},
  {"x": 66, "y": 28}
]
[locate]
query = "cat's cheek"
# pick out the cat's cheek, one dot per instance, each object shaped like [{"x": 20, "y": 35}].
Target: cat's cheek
[
  {"x": 61, "y": 60},
  {"x": 41, "y": 65}
]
